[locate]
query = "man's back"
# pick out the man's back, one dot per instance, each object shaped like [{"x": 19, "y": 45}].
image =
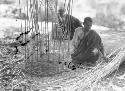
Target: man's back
[{"x": 71, "y": 24}]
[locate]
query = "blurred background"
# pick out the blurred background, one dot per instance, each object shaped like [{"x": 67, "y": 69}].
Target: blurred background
[
  {"x": 108, "y": 17},
  {"x": 107, "y": 13}
]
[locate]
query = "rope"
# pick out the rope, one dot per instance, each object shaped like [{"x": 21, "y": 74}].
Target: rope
[{"x": 37, "y": 27}]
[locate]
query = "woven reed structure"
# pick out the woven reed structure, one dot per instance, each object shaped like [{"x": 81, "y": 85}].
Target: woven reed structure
[{"x": 81, "y": 79}]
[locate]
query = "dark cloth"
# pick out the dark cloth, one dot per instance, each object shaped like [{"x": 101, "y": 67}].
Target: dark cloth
[
  {"x": 83, "y": 52},
  {"x": 71, "y": 23},
  {"x": 68, "y": 25}
]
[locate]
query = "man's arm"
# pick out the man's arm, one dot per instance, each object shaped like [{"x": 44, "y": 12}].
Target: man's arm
[
  {"x": 74, "y": 41},
  {"x": 102, "y": 48}
]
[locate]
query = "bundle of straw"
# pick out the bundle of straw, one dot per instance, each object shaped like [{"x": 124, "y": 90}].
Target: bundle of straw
[{"x": 81, "y": 78}]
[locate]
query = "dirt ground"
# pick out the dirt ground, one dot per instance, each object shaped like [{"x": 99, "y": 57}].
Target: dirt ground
[{"x": 112, "y": 40}]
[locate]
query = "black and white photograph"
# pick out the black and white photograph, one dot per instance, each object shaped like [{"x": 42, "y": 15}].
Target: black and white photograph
[{"x": 62, "y": 45}]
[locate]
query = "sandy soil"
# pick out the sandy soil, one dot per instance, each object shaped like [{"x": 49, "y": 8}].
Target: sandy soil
[{"x": 112, "y": 40}]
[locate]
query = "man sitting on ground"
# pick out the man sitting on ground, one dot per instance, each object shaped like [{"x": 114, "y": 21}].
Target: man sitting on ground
[{"x": 87, "y": 43}]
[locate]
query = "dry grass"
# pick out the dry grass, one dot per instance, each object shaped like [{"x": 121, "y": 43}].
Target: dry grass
[{"x": 73, "y": 79}]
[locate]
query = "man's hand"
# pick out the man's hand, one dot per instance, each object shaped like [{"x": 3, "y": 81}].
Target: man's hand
[{"x": 106, "y": 59}]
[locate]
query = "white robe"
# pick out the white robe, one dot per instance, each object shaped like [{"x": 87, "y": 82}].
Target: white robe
[{"x": 78, "y": 35}]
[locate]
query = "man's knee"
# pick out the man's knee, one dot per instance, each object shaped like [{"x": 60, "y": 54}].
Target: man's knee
[{"x": 76, "y": 62}]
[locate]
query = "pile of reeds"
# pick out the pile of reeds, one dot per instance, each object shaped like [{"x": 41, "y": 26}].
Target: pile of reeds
[{"x": 82, "y": 78}]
